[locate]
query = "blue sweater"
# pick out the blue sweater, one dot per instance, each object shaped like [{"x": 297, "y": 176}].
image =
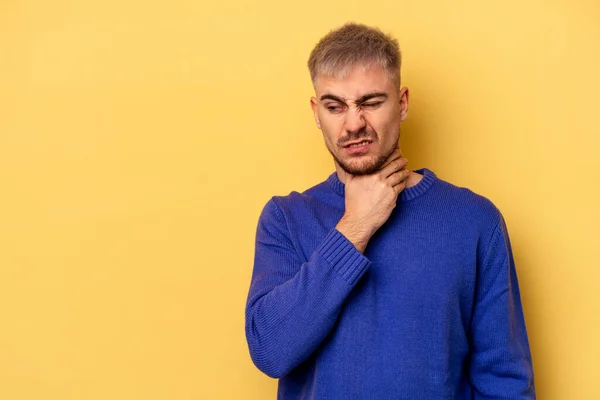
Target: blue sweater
[{"x": 430, "y": 311}]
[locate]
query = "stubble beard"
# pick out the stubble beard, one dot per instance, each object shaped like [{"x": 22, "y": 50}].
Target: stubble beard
[
  {"x": 368, "y": 166},
  {"x": 361, "y": 167}
]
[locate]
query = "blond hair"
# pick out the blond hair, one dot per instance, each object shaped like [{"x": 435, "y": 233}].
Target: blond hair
[{"x": 355, "y": 45}]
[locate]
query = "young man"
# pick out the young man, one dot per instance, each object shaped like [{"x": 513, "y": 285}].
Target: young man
[{"x": 381, "y": 282}]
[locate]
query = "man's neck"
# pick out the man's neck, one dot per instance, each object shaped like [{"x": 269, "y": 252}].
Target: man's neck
[{"x": 412, "y": 180}]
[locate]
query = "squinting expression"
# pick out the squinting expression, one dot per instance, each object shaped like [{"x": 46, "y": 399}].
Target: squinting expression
[{"x": 360, "y": 117}]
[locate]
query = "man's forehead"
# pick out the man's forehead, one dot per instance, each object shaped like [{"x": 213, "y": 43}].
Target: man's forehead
[{"x": 355, "y": 83}]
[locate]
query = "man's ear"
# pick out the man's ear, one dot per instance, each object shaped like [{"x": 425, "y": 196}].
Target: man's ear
[
  {"x": 315, "y": 109},
  {"x": 403, "y": 100}
]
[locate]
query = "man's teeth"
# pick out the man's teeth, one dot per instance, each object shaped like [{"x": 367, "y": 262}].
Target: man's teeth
[{"x": 359, "y": 144}]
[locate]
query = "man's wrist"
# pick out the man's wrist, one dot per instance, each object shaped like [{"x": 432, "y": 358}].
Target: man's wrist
[{"x": 354, "y": 232}]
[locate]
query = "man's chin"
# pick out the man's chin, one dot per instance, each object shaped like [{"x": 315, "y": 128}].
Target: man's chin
[{"x": 363, "y": 166}]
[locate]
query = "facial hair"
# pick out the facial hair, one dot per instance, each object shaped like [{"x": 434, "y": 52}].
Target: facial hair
[{"x": 365, "y": 167}]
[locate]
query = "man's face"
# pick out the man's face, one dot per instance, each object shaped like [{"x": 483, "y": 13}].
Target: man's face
[{"x": 360, "y": 117}]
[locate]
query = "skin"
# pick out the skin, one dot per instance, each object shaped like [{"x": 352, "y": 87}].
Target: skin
[{"x": 365, "y": 105}]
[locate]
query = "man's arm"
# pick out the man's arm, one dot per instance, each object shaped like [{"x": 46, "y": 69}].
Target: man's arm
[
  {"x": 500, "y": 361},
  {"x": 291, "y": 305}
]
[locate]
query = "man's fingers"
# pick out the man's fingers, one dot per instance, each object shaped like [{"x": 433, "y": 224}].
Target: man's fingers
[
  {"x": 398, "y": 176},
  {"x": 393, "y": 166},
  {"x": 400, "y": 186}
]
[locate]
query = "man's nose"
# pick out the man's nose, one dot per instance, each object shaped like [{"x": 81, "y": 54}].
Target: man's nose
[{"x": 355, "y": 121}]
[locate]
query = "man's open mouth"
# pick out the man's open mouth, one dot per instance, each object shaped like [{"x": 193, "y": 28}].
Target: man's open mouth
[{"x": 358, "y": 144}]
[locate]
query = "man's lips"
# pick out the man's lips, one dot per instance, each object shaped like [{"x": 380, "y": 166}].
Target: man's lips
[
  {"x": 357, "y": 143},
  {"x": 358, "y": 147}
]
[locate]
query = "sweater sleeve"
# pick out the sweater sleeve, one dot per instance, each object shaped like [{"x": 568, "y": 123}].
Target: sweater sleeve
[
  {"x": 500, "y": 360},
  {"x": 293, "y": 305}
]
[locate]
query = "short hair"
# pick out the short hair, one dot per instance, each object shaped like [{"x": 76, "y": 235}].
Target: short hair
[{"x": 354, "y": 45}]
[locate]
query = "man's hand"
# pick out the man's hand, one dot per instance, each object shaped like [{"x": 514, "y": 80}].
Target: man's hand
[{"x": 370, "y": 200}]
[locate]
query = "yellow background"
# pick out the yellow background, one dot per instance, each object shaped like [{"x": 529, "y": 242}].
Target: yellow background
[{"x": 139, "y": 141}]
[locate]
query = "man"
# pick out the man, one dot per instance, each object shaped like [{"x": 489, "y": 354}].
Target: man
[{"x": 381, "y": 282}]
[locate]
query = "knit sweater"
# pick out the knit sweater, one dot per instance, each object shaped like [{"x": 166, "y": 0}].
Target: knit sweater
[{"x": 431, "y": 310}]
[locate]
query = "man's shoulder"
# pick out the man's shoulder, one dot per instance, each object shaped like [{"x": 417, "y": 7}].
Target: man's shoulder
[
  {"x": 295, "y": 201},
  {"x": 321, "y": 190},
  {"x": 464, "y": 194},
  {"x": 467, "y": 204}
]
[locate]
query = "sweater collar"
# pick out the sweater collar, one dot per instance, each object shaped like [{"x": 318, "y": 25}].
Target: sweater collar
[{"x": 410, "y": 193}]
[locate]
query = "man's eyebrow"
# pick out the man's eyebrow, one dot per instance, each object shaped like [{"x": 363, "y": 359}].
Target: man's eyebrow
[
  {"x": 329, "y": 96},
  {"x": 361, "y": 99},
  {"x": 370, "y": 96}
]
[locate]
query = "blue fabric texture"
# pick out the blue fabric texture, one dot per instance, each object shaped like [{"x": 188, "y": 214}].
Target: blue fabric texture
[{"x": 430, "y": 311}]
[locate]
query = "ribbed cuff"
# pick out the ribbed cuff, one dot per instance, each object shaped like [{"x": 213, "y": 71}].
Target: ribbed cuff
[{"x": 343, "y": 256}]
